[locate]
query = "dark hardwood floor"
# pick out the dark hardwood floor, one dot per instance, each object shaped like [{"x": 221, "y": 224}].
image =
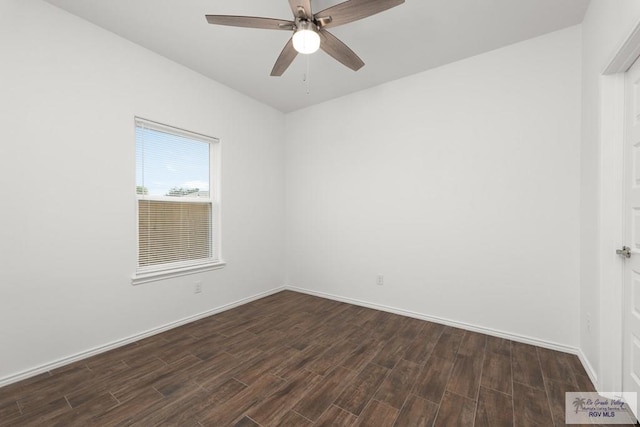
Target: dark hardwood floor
[{"x": 295, "y": 360}]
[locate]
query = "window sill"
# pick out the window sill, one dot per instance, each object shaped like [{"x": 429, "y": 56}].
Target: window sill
[{"x": 140, "y": 278}]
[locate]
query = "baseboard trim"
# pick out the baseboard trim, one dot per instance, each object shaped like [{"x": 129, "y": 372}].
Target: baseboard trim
[
  {"x": 589, "y": 369},
  {"x": 462, "y": 325},
  {"x": 128, "y": 340}
]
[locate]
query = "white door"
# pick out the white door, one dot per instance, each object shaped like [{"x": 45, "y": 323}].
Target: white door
[{"x": 631, "y": 291}]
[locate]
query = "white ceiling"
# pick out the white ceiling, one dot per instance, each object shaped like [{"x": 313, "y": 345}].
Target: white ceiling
[{"x": 413, "y": 37}]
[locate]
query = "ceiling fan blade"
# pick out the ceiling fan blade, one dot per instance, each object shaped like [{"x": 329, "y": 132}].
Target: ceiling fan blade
[
  {"x": 285, "y": 59},
  {"x": 301, "y": 8},
  {"x": 250, "y": 22},
  {"x": 340, "y": 51},
  {"x": 353, "y": 10}
]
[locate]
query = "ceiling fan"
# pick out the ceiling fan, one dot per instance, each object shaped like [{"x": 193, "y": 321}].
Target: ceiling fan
[{"x": 310, "y": 30}]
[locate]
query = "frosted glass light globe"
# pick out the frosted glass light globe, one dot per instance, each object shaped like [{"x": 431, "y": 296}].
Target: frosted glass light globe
[{"x": 306, "y": 39}]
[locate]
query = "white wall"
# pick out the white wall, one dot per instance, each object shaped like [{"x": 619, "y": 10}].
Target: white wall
[
  {"x": 459, "y": 184},
  {"x": 606, "y": 26},
  {"x": 68, "y": 94}
]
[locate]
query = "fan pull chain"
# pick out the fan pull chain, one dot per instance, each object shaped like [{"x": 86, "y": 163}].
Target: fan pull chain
[{"x": 306, "y": 76}]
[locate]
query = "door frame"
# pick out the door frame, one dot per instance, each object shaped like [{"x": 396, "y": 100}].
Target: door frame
[{"x": 611, "y": 212}]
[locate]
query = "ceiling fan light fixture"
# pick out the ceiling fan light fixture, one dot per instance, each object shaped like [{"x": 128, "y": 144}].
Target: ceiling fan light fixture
[
  {"x": 309, "y": 29},
  {"x": 306, "y": 39}
]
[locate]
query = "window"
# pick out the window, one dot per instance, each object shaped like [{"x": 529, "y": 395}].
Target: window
[{"x": 177, "y": 192}]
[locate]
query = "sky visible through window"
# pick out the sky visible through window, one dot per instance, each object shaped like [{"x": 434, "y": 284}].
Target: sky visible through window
[{"x": 170, "y": 165}]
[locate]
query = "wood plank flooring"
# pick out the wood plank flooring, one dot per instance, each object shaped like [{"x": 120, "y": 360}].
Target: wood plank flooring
[{"x": 296, "y": 360}]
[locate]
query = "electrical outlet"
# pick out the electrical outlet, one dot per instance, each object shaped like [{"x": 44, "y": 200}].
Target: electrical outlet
[
  {"x": 198, "y": 287},
  {"x": 380, "y": 281}
]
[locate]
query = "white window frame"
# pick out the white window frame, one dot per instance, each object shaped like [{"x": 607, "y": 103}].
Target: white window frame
[{"x": 153, "y": 273}]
